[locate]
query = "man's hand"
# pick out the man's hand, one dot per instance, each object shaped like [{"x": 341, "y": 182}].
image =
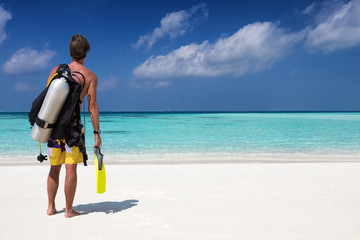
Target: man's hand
[{"x": 98, "y": 142}]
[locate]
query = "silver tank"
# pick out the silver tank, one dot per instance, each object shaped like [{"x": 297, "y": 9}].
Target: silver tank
[{"x": 54, "y": 100}]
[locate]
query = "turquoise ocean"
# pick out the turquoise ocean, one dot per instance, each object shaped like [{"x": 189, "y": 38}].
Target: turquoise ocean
[{"x": 143, "y": 137}]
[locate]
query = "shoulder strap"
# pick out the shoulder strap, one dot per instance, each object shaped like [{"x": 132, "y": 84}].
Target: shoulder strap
[
  {"x": 78, "y": 77},
  {"x": 63, "y": 70},
  {"x": 59, "y": 71},
  {"x": 62, "y": 67}
]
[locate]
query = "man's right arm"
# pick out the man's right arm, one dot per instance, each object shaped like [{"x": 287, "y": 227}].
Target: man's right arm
[{"x": 94, "y": 110}]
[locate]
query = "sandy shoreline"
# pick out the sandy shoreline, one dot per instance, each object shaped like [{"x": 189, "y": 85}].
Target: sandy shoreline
[
  {"x": 189, "y": 201},
  {"x": 193, "y": 158}
]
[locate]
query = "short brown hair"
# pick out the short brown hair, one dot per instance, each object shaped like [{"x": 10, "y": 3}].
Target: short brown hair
[{"x": 79, "y": 47}]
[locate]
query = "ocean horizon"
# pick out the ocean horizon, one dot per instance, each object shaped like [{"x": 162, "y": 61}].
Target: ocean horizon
[{"x": 206, "y": 136}]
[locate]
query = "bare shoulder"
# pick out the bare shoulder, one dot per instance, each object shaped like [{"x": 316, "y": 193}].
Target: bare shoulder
[
  {"x": 90, "y": 81},
  {"x": 89, "y": 75},
  {"x": 92, "y": 75},
  {"x": 55, "y": 68},
  {"x": 53, "y": 71}
]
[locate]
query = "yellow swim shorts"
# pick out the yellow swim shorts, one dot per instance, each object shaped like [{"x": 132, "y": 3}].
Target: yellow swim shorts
[{"x": 61, "y": 153}]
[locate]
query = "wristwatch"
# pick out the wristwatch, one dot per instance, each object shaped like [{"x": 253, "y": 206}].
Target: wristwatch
[{"x": 97, "y": 132}]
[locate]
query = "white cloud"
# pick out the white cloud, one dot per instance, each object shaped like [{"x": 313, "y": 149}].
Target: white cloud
[
  {"x": 28, "y": 60},
  {"x": 108, "y": 84},
  {"x": 253, "y": 48},
  {"x": 309, "y": 9},
  {"x": 23, "y": 87},
  {"x": 4, "y": 17},
  {"x": 338, "y": 27},
  {"x": 174, "y": 24}
]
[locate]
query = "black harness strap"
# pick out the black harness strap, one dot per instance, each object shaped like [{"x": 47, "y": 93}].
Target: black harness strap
[
  {"x": 78, "y": 112},
  {"x": 43, "y": 124},
  {"x": 78, "y": 77}
]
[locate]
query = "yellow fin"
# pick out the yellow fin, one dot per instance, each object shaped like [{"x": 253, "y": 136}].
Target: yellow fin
[{"x": 100, "y": 176}]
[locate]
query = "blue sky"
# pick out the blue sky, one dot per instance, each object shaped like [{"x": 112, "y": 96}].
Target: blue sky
[{"x": 188, "y": 55}]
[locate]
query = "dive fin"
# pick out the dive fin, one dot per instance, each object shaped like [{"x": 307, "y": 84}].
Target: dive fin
[{"x": 100, "y": 171}]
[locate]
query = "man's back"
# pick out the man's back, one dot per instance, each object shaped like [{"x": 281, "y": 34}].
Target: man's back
[{"x": 90, "y": 77}]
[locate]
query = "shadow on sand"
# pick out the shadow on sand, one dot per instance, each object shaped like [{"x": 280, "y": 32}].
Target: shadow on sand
[{"x": 105, "y": 207}]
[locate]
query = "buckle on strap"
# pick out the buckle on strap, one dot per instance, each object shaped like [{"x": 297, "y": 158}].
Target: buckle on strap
[{"x": 43, "y": 124}]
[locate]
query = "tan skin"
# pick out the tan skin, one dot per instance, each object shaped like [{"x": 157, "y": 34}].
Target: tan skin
[{"x": 89, "y": 90}]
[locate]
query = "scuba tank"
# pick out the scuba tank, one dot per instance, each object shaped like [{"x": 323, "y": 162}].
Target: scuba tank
[
  {"x": 55, "y": 110},
  {"x": 54, "y": 100}
]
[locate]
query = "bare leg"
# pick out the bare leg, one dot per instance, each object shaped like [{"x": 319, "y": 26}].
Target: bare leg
[
  {"x": 70, "y": 189},
  {"x": 52, "y": 187}
]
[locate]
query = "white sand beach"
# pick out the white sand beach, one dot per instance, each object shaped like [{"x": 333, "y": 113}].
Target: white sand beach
[{"x": 269, "y": 201}]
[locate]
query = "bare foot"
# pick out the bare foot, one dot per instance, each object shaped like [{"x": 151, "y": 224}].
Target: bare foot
[
  {"x": 71, "y": 213},
  {"x": 51, "y": 211}
]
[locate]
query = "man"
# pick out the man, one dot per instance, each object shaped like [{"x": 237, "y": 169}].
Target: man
[{"x": 60, "y": 153}]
